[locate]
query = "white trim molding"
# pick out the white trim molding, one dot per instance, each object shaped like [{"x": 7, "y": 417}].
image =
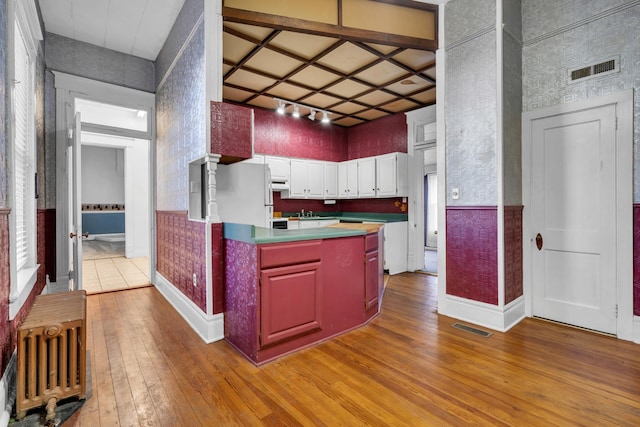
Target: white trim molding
[
  {"x": 209, "y": 327},
  {"x": 483, "y": 314}
]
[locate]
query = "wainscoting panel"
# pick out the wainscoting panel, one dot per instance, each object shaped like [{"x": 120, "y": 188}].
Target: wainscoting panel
[
  {"x": 181, "y": 253},
  {"x": 512, "y": 253},
  {"x": 472, "y": 253}
]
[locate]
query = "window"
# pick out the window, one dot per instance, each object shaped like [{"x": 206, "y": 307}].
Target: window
[{"x": 23, "y": 154}]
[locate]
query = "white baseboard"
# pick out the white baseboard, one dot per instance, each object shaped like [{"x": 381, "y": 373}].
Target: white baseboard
[
  {"x": 8, "y": 391},
  {"x": 209, "y": 328},
  {"x": 483, "y": 314},
  {"x": 636, "y": 329}
]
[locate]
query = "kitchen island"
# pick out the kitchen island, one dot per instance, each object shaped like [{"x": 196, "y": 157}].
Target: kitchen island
[{"x": 289, "y": 289}]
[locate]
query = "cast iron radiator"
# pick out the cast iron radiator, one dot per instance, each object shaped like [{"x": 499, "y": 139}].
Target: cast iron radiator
[{"x": 52, "y": 352}]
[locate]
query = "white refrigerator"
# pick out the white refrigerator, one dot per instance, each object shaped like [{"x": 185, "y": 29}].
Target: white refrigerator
[{"x": 244, "y": 194}]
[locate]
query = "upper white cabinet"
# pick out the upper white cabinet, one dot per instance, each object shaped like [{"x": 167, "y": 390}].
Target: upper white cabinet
[
  {"x": 307, "y": 179},
  {"x": 367, "y": 177},
  {"x": 348, "y": 179},
  {"x": 391, "y": 175},
  {"x": 279, "y": 167},
  {"x": 383, "y": 176},
  {"x": 330, "y": 180}
]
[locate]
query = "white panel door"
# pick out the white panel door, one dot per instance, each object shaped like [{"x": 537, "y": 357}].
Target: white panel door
[
  {"x": 574, "y": 218},
  {"x": 75, "y": 229}
]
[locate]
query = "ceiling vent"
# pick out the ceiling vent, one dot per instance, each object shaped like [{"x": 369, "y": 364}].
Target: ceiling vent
[{"x": 607, "y": 67}]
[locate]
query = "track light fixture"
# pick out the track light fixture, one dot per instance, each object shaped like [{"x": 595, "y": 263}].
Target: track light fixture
[{"x": 282, "y": 105}]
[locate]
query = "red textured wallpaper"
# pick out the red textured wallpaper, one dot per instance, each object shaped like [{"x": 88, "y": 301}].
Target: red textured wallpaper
[
  {"x": 181, "y": 252},
  {"x": 217, "y": 264},
  {"x": 512, "y": 253},
  {"x": 7, "y": 342},
  {"x": 8, "y": 328},
  {"x": 283, "y": 135},
  {"x": 49, "y": 243},
  {"x": 295, "y": 205},
  {"x": 472, "y": 253},
  {"x": 636, "y": 259},
  {"x": 231, "y": 131},
  {"x": 382, "y": 136},
  {"x": 390, "y": 205}
]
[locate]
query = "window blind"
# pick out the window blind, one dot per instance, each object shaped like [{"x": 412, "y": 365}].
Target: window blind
[{"x": 24, "y": 152}]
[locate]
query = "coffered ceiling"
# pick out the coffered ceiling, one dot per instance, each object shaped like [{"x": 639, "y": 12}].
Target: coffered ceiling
[{"x": 356, "y": 75}]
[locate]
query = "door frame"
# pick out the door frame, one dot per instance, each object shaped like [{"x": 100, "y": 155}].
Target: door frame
[
  {"x": 68, "y": 88},
  {"x": 624, "y": 201}
]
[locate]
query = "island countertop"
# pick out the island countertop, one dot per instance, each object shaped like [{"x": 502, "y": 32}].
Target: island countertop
[{"x": 259, "y": 235}]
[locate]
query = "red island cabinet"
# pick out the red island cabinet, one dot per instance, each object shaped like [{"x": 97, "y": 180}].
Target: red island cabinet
[{"x": 281, "y": 297}]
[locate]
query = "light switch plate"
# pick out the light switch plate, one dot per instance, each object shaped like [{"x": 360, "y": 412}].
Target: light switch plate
[{"x": 455, "y": 193}]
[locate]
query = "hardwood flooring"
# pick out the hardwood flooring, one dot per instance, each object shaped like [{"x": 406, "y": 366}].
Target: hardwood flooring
[{"x": 408, "y": 367}]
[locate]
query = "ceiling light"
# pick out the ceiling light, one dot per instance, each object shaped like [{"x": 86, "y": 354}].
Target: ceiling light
[
  {"x": 280, "y": 109},
  {"x": 296, "y": 111},
  {"x": 141, "y": 113},
  {"x": 325, "y": 117},
  {"x": 312, "y": 115}
]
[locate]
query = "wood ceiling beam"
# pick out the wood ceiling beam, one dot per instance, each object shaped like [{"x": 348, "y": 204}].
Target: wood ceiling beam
[{"x": 327, "y": 30}]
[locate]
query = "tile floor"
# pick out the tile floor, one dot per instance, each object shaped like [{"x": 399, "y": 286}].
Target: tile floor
[
  {"x": 430, "y": 261},
  {"x": 105, "y": 269}
]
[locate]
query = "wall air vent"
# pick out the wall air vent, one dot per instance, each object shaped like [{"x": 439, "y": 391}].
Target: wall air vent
[{"x": 607, "y": 67}]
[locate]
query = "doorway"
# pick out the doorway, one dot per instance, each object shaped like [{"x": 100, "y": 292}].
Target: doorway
[
  {"x": 430, "y": 208},
  {"x": 577, "y": 192},
  {"x": 114, "y": 176}
]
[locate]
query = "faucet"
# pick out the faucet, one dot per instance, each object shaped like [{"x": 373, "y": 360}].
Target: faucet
[
  {"x": 310, "y": 213},
  {"x": 302, "y": 213}
]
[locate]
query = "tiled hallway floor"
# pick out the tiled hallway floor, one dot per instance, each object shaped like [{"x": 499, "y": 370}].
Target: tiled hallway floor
[{"x": 105, "y": 269}]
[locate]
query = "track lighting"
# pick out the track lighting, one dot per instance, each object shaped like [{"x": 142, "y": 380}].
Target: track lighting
[{"x": 282, "y": 105}]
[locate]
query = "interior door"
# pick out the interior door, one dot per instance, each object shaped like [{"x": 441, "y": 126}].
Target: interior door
[
  {"x": 75, "y": 228},
  {"x": 574, "y": 218}
]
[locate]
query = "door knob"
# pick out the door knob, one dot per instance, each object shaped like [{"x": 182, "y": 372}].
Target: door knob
[
  {"x": 539, "y": 241},
  {"x": 85, "y": 235}
]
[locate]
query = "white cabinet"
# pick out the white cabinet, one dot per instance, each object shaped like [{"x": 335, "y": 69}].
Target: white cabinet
[
  {"x": 316, "y": 223},
  {"x": 383, "y": 176},
  {"x": 367, "y": 177},
  {"x": 330, "y": 180},
  {"x": 280, "y": 168},
  {"x": 391, "y": 175},
  {"x": 307, "y": 179},
  {"x": 348, "y": 179},
  {"x": 395, "y": 246}
]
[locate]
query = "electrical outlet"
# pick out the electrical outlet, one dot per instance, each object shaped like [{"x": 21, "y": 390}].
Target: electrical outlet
[{"x": 195, "y": 280}]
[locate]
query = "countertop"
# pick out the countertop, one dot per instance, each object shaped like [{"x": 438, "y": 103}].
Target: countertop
[
  {"x": 259, "y": 235},
  {"x": 367, "y": 228}
]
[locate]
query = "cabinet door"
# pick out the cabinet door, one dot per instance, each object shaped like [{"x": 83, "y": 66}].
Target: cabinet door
[
  {"x": 291, "y": 302},
  {"x": 352, "y": 179},
  {"x": 330, "y": 180},
  {"x": 371, "y": 277},
  {"x": 367, "y": 177},
  {"x": 279, "y": 167},
  {"x": 343, "y": 183},
  {"x": 315, "y": 180},
  {"x": 298, "y": 183},
  {"x": 309, "y": 224},
  {"x": 386, "y": 185}
]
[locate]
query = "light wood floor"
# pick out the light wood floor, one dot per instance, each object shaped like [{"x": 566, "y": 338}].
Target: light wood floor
[{"x": 408, "y": 367}]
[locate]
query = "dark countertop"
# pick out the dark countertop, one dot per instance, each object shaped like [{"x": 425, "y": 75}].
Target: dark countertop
[{"x": 258, "y": 235}]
